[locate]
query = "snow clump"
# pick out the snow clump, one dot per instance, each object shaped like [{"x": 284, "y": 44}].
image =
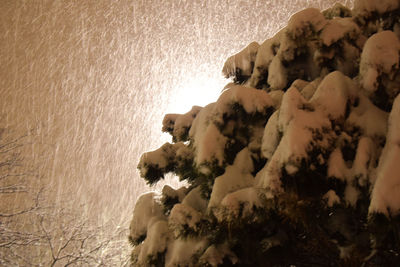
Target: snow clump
[{"x": 299, "y": 156}]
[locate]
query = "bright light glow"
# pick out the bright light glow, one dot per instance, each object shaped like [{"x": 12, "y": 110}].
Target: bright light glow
[{"x": 200, "y": 91}]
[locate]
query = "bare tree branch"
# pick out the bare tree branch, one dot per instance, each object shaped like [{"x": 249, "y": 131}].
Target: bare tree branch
[{"x": 40, "y": 233}]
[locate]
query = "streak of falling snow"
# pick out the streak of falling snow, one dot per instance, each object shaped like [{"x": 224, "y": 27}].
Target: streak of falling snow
[{"x": 95, "y": 78}]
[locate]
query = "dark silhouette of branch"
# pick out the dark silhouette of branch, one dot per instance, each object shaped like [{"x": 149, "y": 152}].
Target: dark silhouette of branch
[{"x": 39, "y": 233}]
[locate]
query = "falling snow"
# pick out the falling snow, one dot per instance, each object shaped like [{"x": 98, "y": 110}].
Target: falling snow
[{"x": 92, "y": 82}]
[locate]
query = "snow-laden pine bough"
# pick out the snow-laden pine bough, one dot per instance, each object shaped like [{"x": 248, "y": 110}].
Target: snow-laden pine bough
[{"x": 296, "y": 163}]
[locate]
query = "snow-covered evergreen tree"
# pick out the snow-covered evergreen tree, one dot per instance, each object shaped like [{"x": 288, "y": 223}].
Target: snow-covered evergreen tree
[{"x": 296, "y": 163}]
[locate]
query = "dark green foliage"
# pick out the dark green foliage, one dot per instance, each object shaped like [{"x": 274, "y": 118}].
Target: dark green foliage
[
  {"x": 380, "y": 97},
  {"x": 180, "y": 164},
  {"x": 155, "y": 173},
  {"x": 205, "y": 181},
  {"x": 305, "y": 183},
  {"x": 168, "y": 203},
  {"x": 302, "y": 67},
  {"x": 183, "y": 137},
  {"x": 158, "y": 260},
  {"x": 385, "y": 233},
  {"x": 258, "y": 163},
  {"x": 137, "y": 241},
  {"x": 168, "y": 125},
  {"x": 131, "y": 241},
  {"x": 336, "y": 185},
  {"x": 383, "y": 258},
  {"x": 185, "y": 169},
  {"x": 239, "y": 77},
  {"x": 262, "y": 80},
  {"x": 338, "y": 10}
]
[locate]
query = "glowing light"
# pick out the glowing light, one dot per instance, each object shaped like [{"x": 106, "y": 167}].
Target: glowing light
[{"x": 200, "y": 90}]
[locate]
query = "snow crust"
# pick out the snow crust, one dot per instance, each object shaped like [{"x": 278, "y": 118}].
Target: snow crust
[
  {"x": 167, "y": 158},
  {"x": 214, "y": 255},
  {"x": 169, "y": 192},
  {"x": 147, "y": 211},
  {"x": 369, "y": 118},
  {"x": 277, "y": 77},
  {"x": 333, "y": 95},
  {"x": 240, "y": 204},
  {"x": 296, "y": 120},
  {"x": 385, "y": 197},
  {"x": 209, "y": 142},
  {"x": 379, "y": 56},
  {"x": 363, "y": 163},
  {"x": 180, "y": 252},
  {"x": 236, "y": 176},
  {"x": 305, "y": 22},
  {"x": 271, "y": 136},
  {"x": 155, "y": 242},
  {"x": 289, "y": 135},
  {"x": 338, "y": 10},
  {"x": 358, "y": 173},
  {"x": 339, "y": 28},
  {"x": 366, "y": 7},
  {"x": 195, "y": 200},
  {"x": 265, "y": 55},
  {"x": 184, "y": 215},
  {"x": 308, "y": 90},
  {"x": 331, "y": 198},
  {"x": 157, "y": 158},
  {"x": 242, "y": 61},
  {"x": 178, "y": 125},
  {"x": 250, "y": 99},
  {"x": 337, "y": 166}
]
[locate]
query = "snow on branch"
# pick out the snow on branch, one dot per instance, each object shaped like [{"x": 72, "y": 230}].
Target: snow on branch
[{"x": 299, "y": 156}]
